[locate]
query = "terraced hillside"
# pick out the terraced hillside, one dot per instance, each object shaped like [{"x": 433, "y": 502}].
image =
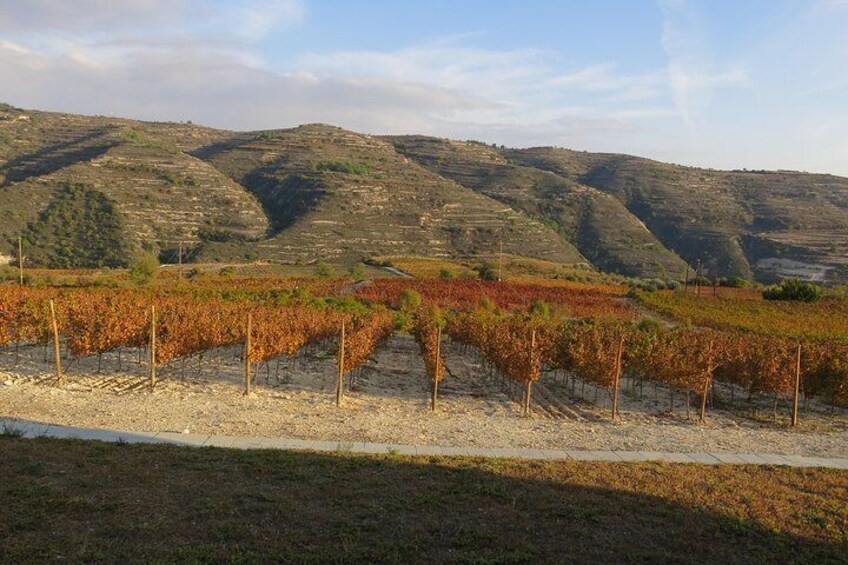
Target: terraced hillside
[
  {"x": 88, "y": 191},
  {"x": 599, "y": 225},
  {"x": 160, "y": 194},
  {"x": 335, "y": 194},
  {"x": 764, "y": 225}
]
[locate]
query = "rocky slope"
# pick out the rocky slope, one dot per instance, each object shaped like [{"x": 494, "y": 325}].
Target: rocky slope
[{"x": 319, "y": 192}]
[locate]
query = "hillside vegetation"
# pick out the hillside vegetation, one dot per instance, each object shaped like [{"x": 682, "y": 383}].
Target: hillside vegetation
[{"x": 321, "y": 193}]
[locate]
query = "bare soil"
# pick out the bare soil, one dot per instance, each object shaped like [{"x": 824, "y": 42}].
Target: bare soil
[{"x": 389, "y": 403}]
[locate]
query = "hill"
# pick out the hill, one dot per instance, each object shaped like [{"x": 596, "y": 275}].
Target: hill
[
  {"x": 92, "y": 191},
  {"x": 753, "y": 224},
  {"x": 598, "y": 224}
]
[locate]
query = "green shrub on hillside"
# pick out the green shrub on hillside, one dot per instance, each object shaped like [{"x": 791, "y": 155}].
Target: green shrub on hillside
[
  {"x": 144, "y": 268},
  {"x": 325, "y": 270},
  {"x": 81, "y": 228},
  {"x": 356, "y": 271},
  {"x": 341, "y": 167},
  {"x": 794, "y": 290},
  {"x": 736, "y": 282}
]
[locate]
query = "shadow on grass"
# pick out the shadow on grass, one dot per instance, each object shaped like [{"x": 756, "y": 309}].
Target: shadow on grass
[{"x": 88, "y": 501}]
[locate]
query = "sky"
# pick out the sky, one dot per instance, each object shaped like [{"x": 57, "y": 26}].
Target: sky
[{"x": 758, "y": 84}]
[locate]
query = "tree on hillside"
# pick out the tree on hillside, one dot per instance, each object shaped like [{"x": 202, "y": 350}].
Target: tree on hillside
[{"x": 144, "y": 268}]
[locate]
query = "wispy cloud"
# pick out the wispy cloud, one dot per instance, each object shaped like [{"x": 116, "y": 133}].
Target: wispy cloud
[
  {"x": 244, "y": 20},
  {"x": 518, "y": 91},
  {"x": 691, "y": 75},
  {"x": 218, "y": 63},
  {"x": 80, "y": 16}
]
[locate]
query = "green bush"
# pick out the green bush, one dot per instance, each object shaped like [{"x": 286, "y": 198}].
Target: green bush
[
  {"x": 409, "y": 300},
  {"x": 488, "y": 305},
  {"x": 737, "y": 282},
  {"x": 487, "y": 272},
  {"x": 447, "y": 274},
  {"x": 144, "y": 268},
  {"x": 8, "y": 273},
  {"x": 356, "y": 271},
  {"x": 325, "y": 270},
  {"x": 539, "y": 308},
  {"x": 402, "y": 320},
  {"x": 649, "y": 325},
  {"x": 794, "y": 290},
  {"x": 341, "y": 167}
]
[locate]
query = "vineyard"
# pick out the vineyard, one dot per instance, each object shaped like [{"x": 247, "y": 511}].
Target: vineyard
[
  {"x": 686, "y": 360},
  {"x": 827, "y": 319},
  {"x": 589, "y": 336},
  {"x": 98, "y": 321},
  {"x": 573, "y": 299}
]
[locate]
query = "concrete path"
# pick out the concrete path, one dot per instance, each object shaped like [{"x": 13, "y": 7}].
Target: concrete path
[{"x": 31, "y": 429}]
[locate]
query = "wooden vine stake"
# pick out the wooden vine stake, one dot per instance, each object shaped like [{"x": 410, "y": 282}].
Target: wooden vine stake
[
  {"x": 152, "y": 347},
  {"x": 340, "y": 387},
  {"x": 247, "y": 348},
  {"x": 57, "y": 354},
  {"x": 435, "y": 392},
  {"x": 616, "y": 384},
  {"x": 707, "y": 383},
  {"x": 528, "y": 391},
  {"x": 797, "y": 391}
]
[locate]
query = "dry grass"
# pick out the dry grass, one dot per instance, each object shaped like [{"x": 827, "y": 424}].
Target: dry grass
[
  {"x": 514, "y": 268},
  {"x": 79, "y": 501}
]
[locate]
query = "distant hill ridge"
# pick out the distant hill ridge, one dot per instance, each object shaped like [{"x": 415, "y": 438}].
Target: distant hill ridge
[{"x": 318, "y": 192}]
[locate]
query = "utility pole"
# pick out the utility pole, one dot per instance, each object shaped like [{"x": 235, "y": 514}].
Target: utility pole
[
  {"x": 500, "y": 258},
  {"x": 21, "y": 259}
]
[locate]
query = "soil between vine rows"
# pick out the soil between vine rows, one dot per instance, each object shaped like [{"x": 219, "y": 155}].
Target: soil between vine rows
[{"x": 389, "y": 404}]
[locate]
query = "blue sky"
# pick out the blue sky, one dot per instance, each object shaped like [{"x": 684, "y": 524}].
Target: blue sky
[{"x": 755, "y": 84}]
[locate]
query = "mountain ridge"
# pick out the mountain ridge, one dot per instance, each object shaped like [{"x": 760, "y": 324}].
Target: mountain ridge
[{"x": 319, "y": 192}]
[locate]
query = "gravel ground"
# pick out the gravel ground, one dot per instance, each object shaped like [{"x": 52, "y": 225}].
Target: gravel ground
[{"x": 388, "y": 404}]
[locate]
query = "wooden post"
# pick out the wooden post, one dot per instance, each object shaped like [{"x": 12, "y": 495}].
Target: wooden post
[
  {"x": 797, "y": 393},
  {"x": 435, "y": 392},
  {"x": 247, "y": 348},
  {"x": 715, "y": 286},
  {"x": 617, "y": 377},
  {"x": 180, "y": 261},
  {"x": 21, "y": 259},
  {"x": 152, "y": 347},
  {"x": 529, "y": 388},
  {"x": 686, "y": 280},
  {"x": 707, "y": 383},
  {"x": 340, "y": 387},
  {"x": 698, "y": 278},
  {"x": 56, "y": 352}
]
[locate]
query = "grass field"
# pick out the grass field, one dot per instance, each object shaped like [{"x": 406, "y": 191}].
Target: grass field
[
  {"x": 76, "y": 501},
  {"x": 512, "y": 268}
]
